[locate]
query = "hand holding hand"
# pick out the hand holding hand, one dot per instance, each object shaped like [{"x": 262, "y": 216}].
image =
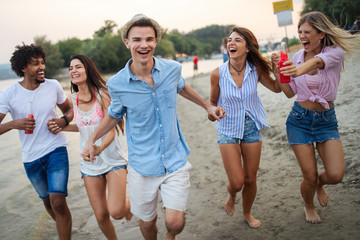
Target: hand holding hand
[
  {"x": 216, "y": 113},
  {"x": 89, "y": 152}
]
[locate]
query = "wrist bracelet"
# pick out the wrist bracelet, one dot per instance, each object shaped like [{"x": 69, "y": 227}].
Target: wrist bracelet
[
  {"x": 99, "y": 148},
  {"x": 67, "y": 121}
]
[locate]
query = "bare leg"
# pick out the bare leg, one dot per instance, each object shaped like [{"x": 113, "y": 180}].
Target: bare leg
[
  {"x": 305, "y": 154},
  {"x": 332, "y": 155},
  {"x": 251, "y": 155},
  {"x": 231, "y": 156},
  {"x": 119, "y": 203},
  {"x": 96, "y": 190},
  {"x": 149, "y": 230},
  {"x": 62, "y": 215},
  {"x": 48, "y": 208},
  {"x": 174, "y": 222}
]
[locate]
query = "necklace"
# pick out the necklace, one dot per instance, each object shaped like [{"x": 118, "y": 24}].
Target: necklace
[{"x": 238, "y": 71}]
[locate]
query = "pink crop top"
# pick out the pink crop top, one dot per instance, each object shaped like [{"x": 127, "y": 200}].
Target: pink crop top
[{"x": 313, "y": 82}]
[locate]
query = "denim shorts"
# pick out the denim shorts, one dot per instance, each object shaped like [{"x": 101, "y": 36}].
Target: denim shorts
[
  {"x": 251, "y": 134},
  {"x": 306, "y": 126},
  {"x": 104, "y": 174},
  {"x": 49, "y": 174}
]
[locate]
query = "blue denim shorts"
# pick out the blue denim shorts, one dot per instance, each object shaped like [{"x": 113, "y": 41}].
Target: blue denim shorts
[
  {"x": 305, "y": 126},
  {"x": 104, "y": 174},
  {"x": 49, "y": 174},
  {"x": 251, "y": 134}
]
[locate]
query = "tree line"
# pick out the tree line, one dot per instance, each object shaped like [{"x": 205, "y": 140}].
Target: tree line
[{"x": 110, "y": 54}]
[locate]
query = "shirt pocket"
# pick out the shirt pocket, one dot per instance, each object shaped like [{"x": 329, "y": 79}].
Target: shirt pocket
[{"x": 170, "y": 97}]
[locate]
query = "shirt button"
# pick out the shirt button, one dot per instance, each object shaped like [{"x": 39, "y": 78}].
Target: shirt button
[
  {"x": 160, "y": 125},
  {"x": 162, "y": 156},
  {"x": 157, "y": 109},
  {"x": 153, "y": 93},
  {"x": 162, "y": 140}
]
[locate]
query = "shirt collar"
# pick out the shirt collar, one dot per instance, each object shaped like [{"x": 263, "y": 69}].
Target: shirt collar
[{"x": 131, "y": 76}]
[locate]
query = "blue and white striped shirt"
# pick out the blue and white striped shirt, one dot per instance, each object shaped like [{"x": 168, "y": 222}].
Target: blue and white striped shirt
[{"x": 238, "y": 101}]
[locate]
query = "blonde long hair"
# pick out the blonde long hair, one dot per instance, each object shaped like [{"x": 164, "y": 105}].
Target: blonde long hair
[{"x": 333, "y": 34}]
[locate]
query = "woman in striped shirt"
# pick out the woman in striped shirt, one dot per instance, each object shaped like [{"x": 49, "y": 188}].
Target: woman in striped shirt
[
  {"x": 315, "y": 76},
  {"x": 234, "y": 87}
]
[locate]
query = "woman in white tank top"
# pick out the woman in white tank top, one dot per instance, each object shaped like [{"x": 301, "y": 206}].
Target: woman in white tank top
[{"x": 91, "y": 99}]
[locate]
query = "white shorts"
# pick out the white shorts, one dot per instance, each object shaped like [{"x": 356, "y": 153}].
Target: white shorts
[{"x": 143, "y": 191}]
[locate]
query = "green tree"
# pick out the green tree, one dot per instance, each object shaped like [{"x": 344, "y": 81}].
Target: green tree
[
  {"x": 108, "y": 52},
  {"x": 212, "y": 35},
  {"x": 340, "y": 12},
  {"x": 54, "y": 62},
  {"x": 180, "y": 45},
  {"x": 70, "y": 47},
  {"x": 165, "y": 48},
  {"x": 109, "y": 27}
]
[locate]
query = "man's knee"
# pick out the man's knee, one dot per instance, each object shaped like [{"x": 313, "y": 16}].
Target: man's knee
[
  {"x": 175, "y": 222},
  {"x": 58, "y": 204}
]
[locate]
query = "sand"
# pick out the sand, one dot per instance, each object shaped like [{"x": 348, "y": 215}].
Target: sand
[{"x": 278, "y": 204}]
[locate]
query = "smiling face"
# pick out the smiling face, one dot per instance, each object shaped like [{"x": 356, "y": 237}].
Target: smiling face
[
  {"x": 77, "y": 72},
  {"x": 142, "y": 42},
  {"x": 310, "y": 38},
  {"x": 236, "y": 45},
  {"x": 35, "y": 70}
]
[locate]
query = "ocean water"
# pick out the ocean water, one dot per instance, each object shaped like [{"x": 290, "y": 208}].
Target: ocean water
[{"x": 22, "y": 214}]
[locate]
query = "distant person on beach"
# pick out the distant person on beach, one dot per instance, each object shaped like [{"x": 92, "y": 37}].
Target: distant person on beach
[
  {"x": 195, "y": 61},
  {"x": 145, "y": 92},
  {"x": 90, "y": 99},
  {"x": 355, "y": 27},
  {"x": 223, "y": 49},
  {"x": 44, "y": 154},
  {"x": 311, "y": 124},
  {"x": 234, "y": 87}
]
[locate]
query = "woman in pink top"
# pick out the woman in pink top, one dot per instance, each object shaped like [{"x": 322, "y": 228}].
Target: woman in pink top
[
  {"x": 315, "y": 76},
  {"x": 108, "y": 172}
]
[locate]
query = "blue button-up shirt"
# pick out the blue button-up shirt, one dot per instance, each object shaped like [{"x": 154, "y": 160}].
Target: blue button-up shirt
[{"x": 156, "y": 145}]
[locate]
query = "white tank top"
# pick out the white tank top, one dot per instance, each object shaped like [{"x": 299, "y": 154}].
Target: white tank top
[{"x": 87, "y": 122}]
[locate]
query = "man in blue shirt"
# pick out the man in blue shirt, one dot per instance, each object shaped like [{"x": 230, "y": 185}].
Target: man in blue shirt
[{"x": 145, "y": 91}]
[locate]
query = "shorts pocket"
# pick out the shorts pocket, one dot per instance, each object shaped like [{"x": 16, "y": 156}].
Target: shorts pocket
[{"x": 296, "y": 115}]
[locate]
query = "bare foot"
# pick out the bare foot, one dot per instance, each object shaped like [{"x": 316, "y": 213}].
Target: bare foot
[
  {"x": 230, "y": 205},
  {"x": 322, "y": 196},
  {"x": 311, "y": 215},
  {"x": 253, "y": 222}
]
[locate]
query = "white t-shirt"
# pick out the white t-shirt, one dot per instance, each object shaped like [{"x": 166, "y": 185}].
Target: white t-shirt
[{"x": 44, "y": 99}]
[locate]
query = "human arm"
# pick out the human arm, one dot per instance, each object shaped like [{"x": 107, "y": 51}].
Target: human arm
[
  {"x": 310, "y": 65},
  {"x": 106, "y": 126},
  {"x": 268, "y": 82},
  {"x": 214, "y": 90},
  {"x": 285, "y": 87},
  {"x": 214, "y": 111},
  {"x": 56, "y": 125},
  {"x": 19, "y": 124}
]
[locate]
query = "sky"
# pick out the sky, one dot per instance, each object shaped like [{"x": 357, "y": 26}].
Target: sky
[{"x": 22, "y": 20}]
